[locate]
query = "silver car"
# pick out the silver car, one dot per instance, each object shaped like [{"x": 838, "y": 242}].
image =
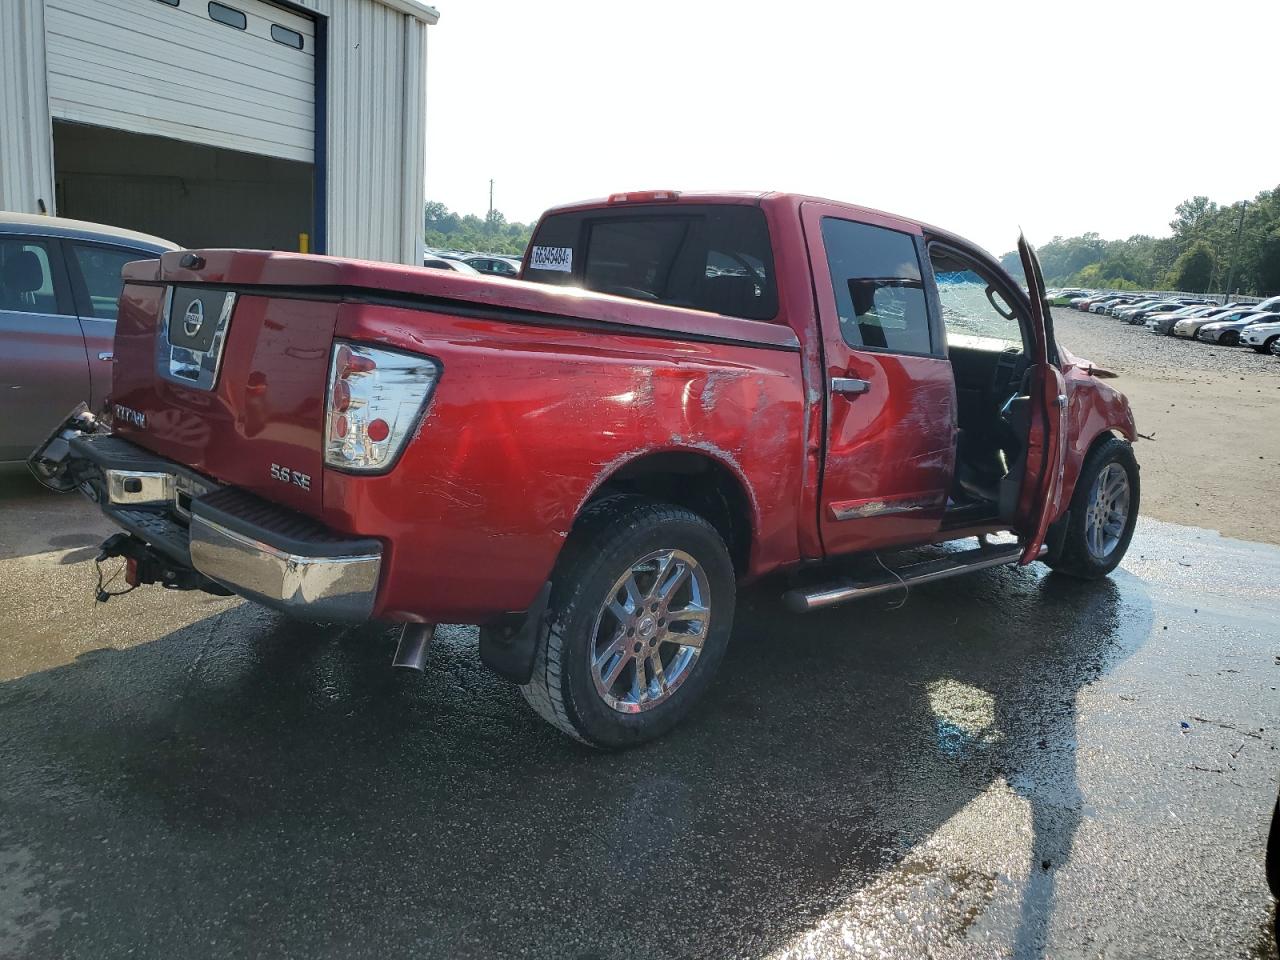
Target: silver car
[
  {"x": 59, "y": 283},
  {"x": 1190, "y": 326},
  {"x": 1229, "y": 332}
]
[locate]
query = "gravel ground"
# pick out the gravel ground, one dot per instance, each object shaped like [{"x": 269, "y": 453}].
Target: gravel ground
[{"x": 1210, "y": 411}]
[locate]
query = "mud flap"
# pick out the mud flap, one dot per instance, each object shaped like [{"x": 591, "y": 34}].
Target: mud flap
[
  {"x": 1055, "y": 536},
  {"x": 509, "y": 645}
]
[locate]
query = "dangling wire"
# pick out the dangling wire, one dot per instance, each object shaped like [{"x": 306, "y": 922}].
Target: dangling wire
[
  {"x": 897, "y": 576},
  {"x": 103, "y": 594}
]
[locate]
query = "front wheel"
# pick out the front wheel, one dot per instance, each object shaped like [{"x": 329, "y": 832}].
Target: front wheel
[
  {"x": 1104, "y": 511},
  {"x": 1230, "y": 339},
  {"x": 642, "y": 606}
]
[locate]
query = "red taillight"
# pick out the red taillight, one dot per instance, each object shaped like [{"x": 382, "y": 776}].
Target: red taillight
[
  {"x": 348, "y": 362},
  {"x": 341, "y": 396},
  {"x": 375, "y": 398},
  {"x": 644, "y": 196}
]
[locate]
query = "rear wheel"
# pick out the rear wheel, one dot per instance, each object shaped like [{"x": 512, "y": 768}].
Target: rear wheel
[
  {"x": 1104, "y": 511},
  {"x": 642, "y": 606}
]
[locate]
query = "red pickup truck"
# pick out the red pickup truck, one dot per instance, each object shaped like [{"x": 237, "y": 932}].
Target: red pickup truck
[{"x": 682, "y": 393}]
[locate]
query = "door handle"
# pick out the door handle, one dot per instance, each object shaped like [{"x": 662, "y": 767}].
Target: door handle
[
  {"x": 849, "y": 385},
  {"x": 109, "y": 357}
]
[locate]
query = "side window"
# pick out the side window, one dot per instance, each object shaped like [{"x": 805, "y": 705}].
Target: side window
[
  {"x": 100, "y": 267},
  {"x": 878, "y": 287},
  {"x": 26, "y": 276},
  {"x": 974, "y": 312}
]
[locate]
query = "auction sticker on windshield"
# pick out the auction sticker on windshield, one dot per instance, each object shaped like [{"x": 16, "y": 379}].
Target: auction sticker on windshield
[{"x": 552, "y": 258}]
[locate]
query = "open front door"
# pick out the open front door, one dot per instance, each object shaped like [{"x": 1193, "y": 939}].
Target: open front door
[{"x": 1041, "y": 497}]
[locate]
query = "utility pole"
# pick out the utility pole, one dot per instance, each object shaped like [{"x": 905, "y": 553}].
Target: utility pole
[
  {"x": 1235, "y": 247},
  {"x": 491, "y": 198}
]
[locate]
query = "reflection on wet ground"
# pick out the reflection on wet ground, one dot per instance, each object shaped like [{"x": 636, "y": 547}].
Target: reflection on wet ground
[{"x": 998, "y": 768}]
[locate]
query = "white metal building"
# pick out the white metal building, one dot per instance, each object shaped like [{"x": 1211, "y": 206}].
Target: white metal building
[{"x": 285, "y": 124}]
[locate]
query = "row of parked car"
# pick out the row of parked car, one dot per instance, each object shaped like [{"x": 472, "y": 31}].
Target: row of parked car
[
  {"x": 491, "y": 264},
  {"x": 1255, "y": 325}
]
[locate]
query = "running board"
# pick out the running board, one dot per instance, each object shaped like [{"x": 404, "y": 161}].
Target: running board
[{"x": 802, "y": 600}]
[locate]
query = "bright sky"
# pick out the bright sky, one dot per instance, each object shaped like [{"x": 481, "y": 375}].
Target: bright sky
[{"x": 977, "y": 117}]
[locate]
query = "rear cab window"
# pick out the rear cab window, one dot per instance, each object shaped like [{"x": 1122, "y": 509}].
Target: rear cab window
[{"x": 712, "y": 257}]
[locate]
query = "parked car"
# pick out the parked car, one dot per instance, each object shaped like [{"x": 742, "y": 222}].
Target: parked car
[
  {"x": 1162, "y": 323},
  {"x": 1139, "y": 316},
  {"x": 448, "y": 263},
  {"x": 59, "y": 283},
  {"x": 1190, "y": 326},
  {"x": 496, "y": 266},
  {"x": 1065, "y": 297},
  {"x": 1123, "y": 312},
  {"x": 1271, "y": 303},
  {"x": 587, "y": 464},
  {"x": 1261, "y": 336},
  {"x": 1229, "y": 332},
  {"x": 1087, "y": 303},
  {"x": 1114, "y": 311},
  {"x": 1103, "y": 306}
]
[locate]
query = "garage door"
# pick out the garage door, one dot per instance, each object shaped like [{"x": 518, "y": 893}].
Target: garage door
[{"x": 238, "y": 75}]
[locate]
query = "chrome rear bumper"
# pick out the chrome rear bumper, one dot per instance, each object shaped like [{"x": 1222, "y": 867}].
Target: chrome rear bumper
[
  {"x": 248, "y": 545},
  {"x": 320, "y": 587}
]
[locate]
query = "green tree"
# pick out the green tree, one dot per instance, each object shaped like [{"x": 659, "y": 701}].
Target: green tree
[
  {"x": 1189, "y": 214},
  {"x": 447, "y": 230},
  {"x": 1193, "y": 271},
  {"x": 1267, "y": 271}
]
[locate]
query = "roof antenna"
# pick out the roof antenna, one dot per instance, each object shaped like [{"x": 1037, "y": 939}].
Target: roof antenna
[{"x": 43, "y": 209}]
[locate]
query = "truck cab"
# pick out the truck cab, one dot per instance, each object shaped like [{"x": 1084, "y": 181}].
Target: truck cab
[{"x": 934, "y": 378}]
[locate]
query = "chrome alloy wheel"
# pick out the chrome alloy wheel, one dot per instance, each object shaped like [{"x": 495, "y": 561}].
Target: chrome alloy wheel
[
  {"x": 650, "y": 631},
  {"x": 1108, "y": 511}
]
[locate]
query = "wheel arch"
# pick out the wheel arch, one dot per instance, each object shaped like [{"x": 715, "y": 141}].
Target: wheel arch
[
  {"x": 1122, "y": 429},
  {"x": 701, "y": 480}
]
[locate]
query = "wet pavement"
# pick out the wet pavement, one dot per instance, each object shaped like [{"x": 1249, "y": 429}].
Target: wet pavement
[{"x": 1012, "y": 764}]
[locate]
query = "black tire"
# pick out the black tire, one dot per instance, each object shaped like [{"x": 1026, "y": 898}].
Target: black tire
[
  {"x": 608, "y": 539},
  {"x": 1072, "y": 555},
  {"x": 1265, "y": 346},
  {"x": 1230, "y": 339}
]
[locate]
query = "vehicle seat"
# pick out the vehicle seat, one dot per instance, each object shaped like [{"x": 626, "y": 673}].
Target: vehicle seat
[{"x": 20, "y": 276}]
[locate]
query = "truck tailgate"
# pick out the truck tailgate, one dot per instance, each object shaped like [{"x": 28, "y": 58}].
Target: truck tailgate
[{"x": 239, "y": 398}]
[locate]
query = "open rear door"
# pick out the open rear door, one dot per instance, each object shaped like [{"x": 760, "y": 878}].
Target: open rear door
[{"x": 1047, "y": 444}]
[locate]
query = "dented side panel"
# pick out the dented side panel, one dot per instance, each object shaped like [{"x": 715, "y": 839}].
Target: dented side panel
[
  {"x": 527, "y": 422},
  {"x": 1093, "y": 408}
]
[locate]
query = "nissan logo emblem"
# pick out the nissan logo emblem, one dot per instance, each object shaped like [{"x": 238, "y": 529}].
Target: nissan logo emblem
[{"x": 193, "y": 320}]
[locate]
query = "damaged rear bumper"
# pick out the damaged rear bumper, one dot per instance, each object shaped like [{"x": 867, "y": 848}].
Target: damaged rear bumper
[{"x": 246, "y": 544}]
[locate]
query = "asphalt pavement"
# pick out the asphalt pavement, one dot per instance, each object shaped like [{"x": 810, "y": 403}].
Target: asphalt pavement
[{"x": 1009, "y": 764}]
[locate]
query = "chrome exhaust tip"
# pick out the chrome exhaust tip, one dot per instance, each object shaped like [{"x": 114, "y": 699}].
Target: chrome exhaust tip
[{"x": 415, "y": 640}]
